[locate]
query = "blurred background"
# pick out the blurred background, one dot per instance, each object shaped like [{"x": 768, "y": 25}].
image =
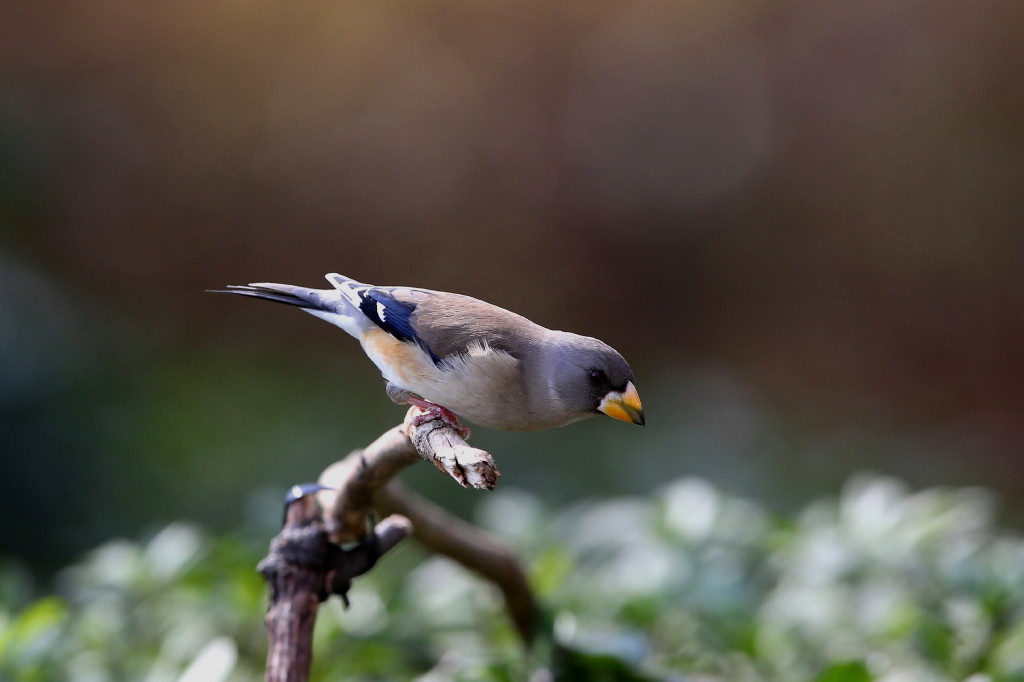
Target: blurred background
[{"x": 800, "y": 221}]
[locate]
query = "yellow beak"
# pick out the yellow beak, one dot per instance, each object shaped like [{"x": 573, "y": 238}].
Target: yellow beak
[{"x": 624, "y": 405}]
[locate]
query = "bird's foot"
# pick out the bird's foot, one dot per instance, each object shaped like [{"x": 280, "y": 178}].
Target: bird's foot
[{"x": 429, "y": 411}]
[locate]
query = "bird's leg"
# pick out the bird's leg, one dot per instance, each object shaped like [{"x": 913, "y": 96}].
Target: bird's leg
[
  {"x": 429, "y": 412},
  {"x": 434, "y": 411}
]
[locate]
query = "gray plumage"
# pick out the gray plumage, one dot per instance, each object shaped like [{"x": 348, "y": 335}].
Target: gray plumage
[{"x": 483, "y": 363}]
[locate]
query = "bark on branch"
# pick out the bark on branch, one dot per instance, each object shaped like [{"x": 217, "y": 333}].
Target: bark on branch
[
  {"x": 302, "y": 569},
  {"x": 439, "y": 443},
  {"x": 328, "y": 539}
]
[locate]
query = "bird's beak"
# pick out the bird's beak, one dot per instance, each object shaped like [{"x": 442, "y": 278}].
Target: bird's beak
[{"x": 624, "y": 405}]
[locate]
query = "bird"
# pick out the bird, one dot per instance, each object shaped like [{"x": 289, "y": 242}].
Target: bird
[{"x": 455, "y": 356}]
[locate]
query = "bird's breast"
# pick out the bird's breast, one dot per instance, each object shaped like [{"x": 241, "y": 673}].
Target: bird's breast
[{"x": 482, "y": 385}]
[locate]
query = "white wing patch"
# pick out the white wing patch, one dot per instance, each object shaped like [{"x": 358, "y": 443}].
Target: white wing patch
[
  {"x": 347, "y": 290},
  {"x": 381, "y": 310}
]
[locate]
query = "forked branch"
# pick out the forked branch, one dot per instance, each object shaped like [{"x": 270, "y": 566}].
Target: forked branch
[{"x": 329, "y": 540}]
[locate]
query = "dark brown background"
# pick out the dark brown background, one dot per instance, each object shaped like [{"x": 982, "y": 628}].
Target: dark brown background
[{"x": 801, "y": 221}]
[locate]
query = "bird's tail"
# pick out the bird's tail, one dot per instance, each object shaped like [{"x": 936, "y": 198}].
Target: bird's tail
[
  {"x": 333, "y": 305},
  {"x": 302, "y": 297}
]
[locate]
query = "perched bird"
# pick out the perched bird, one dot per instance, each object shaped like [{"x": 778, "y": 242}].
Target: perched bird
[{"x": 456, "y": 356}]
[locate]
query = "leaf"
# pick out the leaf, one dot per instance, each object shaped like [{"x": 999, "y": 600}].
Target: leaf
[
  {"x": 846, "y": 671},
  {"x": 34, "y": 632}
]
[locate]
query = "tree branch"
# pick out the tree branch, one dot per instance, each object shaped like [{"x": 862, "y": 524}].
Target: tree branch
[
  {"x": 438, "y": 443},
  {"x": 328, "y": 540},
  {"x": 441, "y": 532},
  {"x": 294, "y": 571},
  {"x": 355, "y": 479}
]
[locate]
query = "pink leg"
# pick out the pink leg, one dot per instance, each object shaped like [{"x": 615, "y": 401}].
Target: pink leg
[{"x": 433, "y": 411}]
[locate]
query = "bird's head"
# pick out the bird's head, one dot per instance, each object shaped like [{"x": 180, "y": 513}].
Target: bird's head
[{"x": 590, "y": 376}]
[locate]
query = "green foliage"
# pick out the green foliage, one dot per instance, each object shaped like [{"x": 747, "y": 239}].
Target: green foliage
[{"x": 690, "y": 584}]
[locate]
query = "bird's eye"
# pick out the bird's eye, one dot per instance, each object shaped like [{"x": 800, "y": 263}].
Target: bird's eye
[{"x": 597, "y": 376}]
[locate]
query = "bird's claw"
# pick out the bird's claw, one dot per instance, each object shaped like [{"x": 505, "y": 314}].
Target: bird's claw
[{"x": 430, "y": 412}]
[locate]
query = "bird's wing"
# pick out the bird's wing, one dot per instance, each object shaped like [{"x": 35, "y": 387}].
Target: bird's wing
[
  {"x": 445, "y": 324},
  {"x": 442, "y": 324}
]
